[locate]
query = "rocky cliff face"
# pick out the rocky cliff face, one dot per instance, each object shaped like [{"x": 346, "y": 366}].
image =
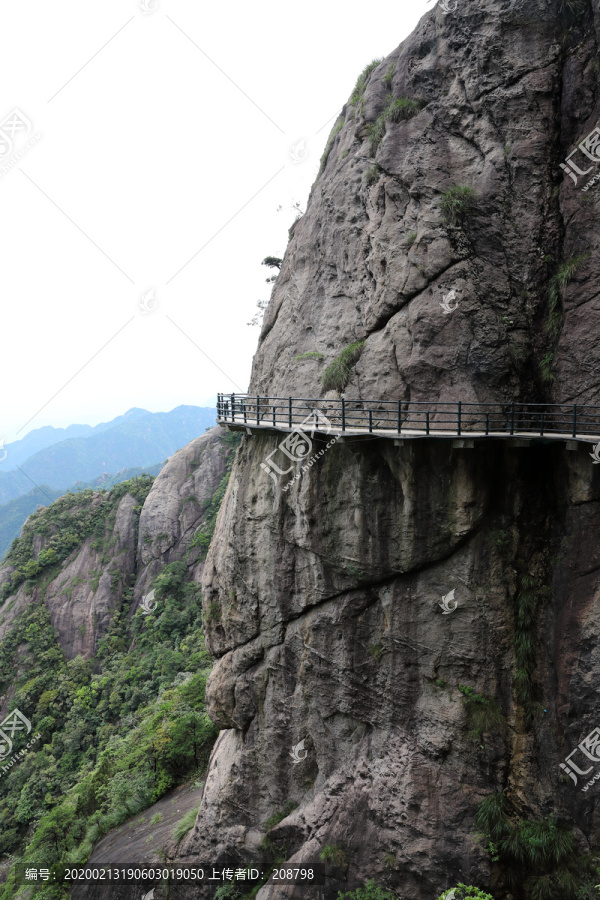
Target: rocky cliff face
[
  {"x": 506, "y": 90},
  {"x": 322, "y": 603}
]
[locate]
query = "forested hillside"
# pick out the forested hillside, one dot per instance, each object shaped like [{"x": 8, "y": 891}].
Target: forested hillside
[{"x": 117, "y": 726}]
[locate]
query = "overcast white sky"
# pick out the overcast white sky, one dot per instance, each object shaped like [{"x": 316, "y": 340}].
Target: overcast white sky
[{"x": 163, "y": 156}]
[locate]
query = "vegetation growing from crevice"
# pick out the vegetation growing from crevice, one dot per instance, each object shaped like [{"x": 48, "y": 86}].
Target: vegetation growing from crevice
[
  {"x": 334, "y": 854},
  {"x": 185, "y": 824},
  {"x": 372, "y": 174},
  {"x": 553, "y": 325},
  {"x": 329, "y": 145},
  {"x": 457, "y": 204},
  {"x": 538, "y": 858},
  {"x": 402, "y": 108},
  {"x": 280, "y": 815},
  {"x": 527, "y": 602},
  {"x": 387, "y": 78},
  {"x": 361, "y": 84},
  {"x": 338, "y": 373},
  {"x": 311, "y": 354},
  {"x": 483, "y": 714},
  {"x": 395, "y": 110},
  {"x": 204, "y": 534}
]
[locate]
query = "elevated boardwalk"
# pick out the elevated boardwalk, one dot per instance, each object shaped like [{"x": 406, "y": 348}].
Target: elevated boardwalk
[{"x": 521, "y": 424}]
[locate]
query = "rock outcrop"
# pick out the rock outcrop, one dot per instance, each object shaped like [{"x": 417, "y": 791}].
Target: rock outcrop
[
  {"x": 506, "y": 91},
  {"x": 322, "y": 603},
  {"x": 130, "y": 546}
]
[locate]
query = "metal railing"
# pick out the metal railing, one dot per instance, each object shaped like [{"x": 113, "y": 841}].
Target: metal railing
[{"x": 400, "y": 416}]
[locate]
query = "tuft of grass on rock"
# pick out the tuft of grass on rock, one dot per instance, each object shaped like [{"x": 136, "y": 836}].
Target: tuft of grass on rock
[
  {"x": 185, "y": 824},
  {"x": 337, "y": 375},
  {"x": 362, "y": 82},
  {"x": 458, "y": 203}
]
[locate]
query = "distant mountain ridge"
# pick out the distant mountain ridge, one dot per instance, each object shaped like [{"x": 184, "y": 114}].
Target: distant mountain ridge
[
  {"x": 138, "y": 438},
  {"x": 40, "y": 438}
]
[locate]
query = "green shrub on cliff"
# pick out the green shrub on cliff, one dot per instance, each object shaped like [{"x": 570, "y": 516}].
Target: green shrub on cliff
[
  {"x": 402, "y": 108},
  {"x": 334, "y": 854},
  {"x": 465, "y": 892},
  {"x": 337, "y": 375},
  {"x": 556, "y": 290},
  {"x": 394, "y": 111},
  {"x": 539, "y": 858},
  {"x": 362, "y": 82},
  {"x": 457, "y": 204}
]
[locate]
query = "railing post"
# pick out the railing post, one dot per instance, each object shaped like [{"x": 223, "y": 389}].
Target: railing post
[
  {"x": 343, "y": 414},
  {"x": 542, "y": 425},
  {"x": 290, "y": 412},
  {"x": 459, "y": 415},
  {"x": 574, "y": 419},
  {"x": 427, "y": 422},
  {"x": 245, "y": 410},
  {"x": 274, "y": 422},
  {"x": 399, "y": 416},
  {"x": 487, "y": 424},
  {"x": 512, "y": 418},
  {"x": 370, "y": 421},
  {"x": 232, "y": 408},
  {"x": 257, "y": 413}
]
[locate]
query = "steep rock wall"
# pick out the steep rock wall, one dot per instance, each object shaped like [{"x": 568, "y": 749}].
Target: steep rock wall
[
  {"x": 322, "y": 603},
  {"x": 507, "y": 90}
]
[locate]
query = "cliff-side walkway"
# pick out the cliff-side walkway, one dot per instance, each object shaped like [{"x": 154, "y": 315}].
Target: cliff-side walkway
[{"x": 522, "y": 423}]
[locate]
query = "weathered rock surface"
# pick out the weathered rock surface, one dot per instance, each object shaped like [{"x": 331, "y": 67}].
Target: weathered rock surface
[
  {"x": 323, "y": 602},
  {"x": 507, "y": 92}
]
